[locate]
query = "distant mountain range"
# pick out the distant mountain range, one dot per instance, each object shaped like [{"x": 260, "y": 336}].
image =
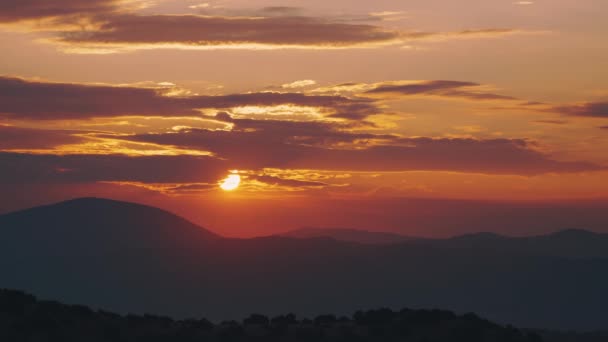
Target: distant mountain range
[
  {"x": 570, "y": 243},
  {"x": 127, "y": 257},
  {"x": 347, "y": 235}
]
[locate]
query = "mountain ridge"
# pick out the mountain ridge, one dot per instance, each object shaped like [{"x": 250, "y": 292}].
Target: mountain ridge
[
  {"x": 348, "y": 235},
  {"x": 130, "y": 258}
]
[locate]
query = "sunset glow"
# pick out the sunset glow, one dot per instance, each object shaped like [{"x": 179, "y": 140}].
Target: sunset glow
[{"x": 347, "y": 107}]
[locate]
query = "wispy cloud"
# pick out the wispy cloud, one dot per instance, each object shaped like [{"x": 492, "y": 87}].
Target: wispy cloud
[
  {"x": 21, "y": 10},
  {"x": 106, "y": 26},
  {"x": 256, "y": 144},
  {"x": 38, "y": 100},
  {"x": 588, "y": 109},
  {"x": 299, "y": 84},
  {"x": 442, "y": 88}
]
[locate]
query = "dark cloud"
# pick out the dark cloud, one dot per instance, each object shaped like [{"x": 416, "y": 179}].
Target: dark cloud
[
  {"x": 500, "y": 156},
  {"x": 444, "y": 88},
  {"x": 111, "y": 22},
  {"x": 36, "y": 168},
  {"x": 604, "y": 127},
  {"x": 590, "y": 109},
  {"x": 25, "y": 138},
  {"x": 172, "y": 174},
  {"x": 277, "y": 144},
  {"x": 532, "y": 103},
  {"x": 309, "y": 132},
  {"x": 292, "y": 183},
  {"x": 272, "y": 26},
  {"x": 269, "y": 29},
  {"x": 552, "y": 122},
  {"x": 17, "y": 10},
  {"x": 43, "y": 100},
  {"x": 256, "y": 145},
  {"x": 114, "y": 23},
  {"x": 421, "y": 88},
  {"x": 281, "y": 10},
  {"x": 191, "y": 188},
  {"x": 196, "y": 30}
]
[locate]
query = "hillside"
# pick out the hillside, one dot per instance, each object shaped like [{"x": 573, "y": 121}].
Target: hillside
[{"x": 126, "y": 258}]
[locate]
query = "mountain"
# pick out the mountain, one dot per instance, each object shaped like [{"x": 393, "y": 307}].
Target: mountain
[
  {"x": 126, "y": 257},
  {"x": 106, "y": 214},
  {"x": 348, "y": 235},
  {"x": 482, "y": 237},
  {"x": 96, "y": 225},
  {"x": 569, "y": 243}
]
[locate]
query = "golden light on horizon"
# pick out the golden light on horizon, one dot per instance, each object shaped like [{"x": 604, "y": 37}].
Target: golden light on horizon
[{"x": 231, "y": 182}]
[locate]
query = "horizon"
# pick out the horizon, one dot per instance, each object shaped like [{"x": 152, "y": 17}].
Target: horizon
[{"x": 286, "y": 232}]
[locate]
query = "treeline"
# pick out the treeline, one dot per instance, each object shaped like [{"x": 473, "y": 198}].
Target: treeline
[{"x": 23, "y": 318}]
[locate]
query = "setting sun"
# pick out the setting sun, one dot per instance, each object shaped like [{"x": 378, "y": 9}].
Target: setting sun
[{"x": 231, "y": 182}]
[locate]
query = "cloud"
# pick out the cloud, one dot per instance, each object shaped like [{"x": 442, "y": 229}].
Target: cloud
[
  {"x": 443, "y": 88},
  {"x": 552, "y": 122},
  {"x": 276, "y": 144},
  {"x": 205, "y": 31},
  {"x": 258, "y": 145},
  {"x": 286, "y": 182},
  {"x": 604, "y": 127},
  {"x": 253, "y": 144},
  {"x": 104, "y": 26},
  {"x": 131, "y": 31},
  {"x": 17, "y": 168},
  {"x": 26, "y": 138},
  {"x": 281, "y": 10},
  {"x": 388, "y": 15},
  {"x": 19, "y": 10},
  {"x": 589, "y": 109},
  {"x": 293, "y": 132},
  {"x": 169, "y": 188},
  {"x": 38, "y": 100},
  {"x": 299, "y": 84},
  {"x": 486, "y": 32}
]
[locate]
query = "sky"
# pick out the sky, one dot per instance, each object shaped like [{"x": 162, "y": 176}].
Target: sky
[{"x": 428, "y": 118}]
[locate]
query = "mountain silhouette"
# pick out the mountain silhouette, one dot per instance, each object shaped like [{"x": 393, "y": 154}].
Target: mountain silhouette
[
  {"x": 482, "y": 237},
  {"x": 347, "y": 235},
  {"x": 127, "y": 257},
  {"x": 568, "y": 243},
  {"x": 95, "y": 224}
]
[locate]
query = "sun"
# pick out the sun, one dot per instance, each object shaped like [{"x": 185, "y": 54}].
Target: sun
[{"x": 231, "y": 182}]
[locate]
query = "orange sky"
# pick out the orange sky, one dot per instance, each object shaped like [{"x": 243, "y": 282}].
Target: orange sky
[{"x": 323, "y": 108}]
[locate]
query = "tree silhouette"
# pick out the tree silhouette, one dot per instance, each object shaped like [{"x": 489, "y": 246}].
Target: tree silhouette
[
  {"x": 256, "y": 319},
  {"x": 24, "y": 318}
]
